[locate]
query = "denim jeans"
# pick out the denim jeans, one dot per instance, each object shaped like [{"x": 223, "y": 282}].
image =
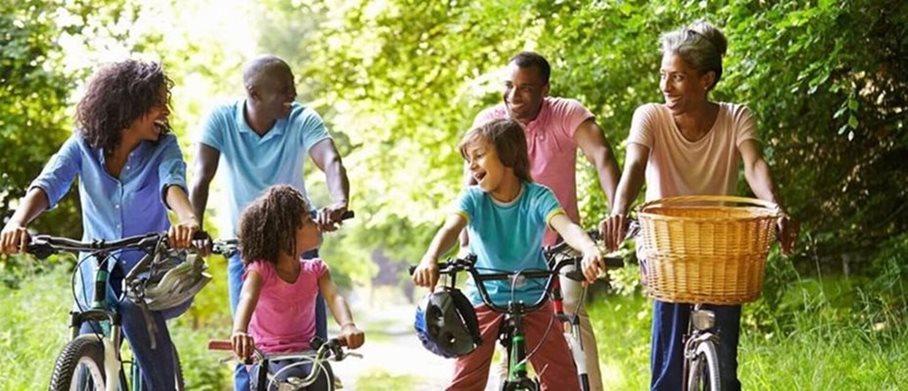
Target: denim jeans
[
  {"x": 234, "y": 286},
  {"x": 670, "y": 323}
]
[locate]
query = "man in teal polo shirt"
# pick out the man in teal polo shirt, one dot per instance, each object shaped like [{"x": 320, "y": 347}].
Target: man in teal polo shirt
[{"x": 264, "y": 140}]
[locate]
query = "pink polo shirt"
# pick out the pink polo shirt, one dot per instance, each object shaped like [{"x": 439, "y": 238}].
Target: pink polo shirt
[
  {"x": 552, "y": 149},
  {"x": 284, "y": 317}
]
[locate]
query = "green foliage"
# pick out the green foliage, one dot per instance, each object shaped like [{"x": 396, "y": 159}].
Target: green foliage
[
  {"x": 825, "y": 80},
  {"x": 33, "y": 97},
  {"x": 841, "y": 355}
]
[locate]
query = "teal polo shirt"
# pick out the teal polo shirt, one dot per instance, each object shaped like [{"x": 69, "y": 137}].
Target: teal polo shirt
[
  {"x": 507, "y": 237},
  {"x": 252, "y": 162}
]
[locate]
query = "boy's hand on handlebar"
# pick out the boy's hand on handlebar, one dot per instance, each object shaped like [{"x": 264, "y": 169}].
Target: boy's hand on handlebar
[
  {"x": 426, "y": 274},
  {"x": 180, "y": 234},
  {"x": 592, "y": 264},
  {"x": 352, "y": 335},
  {"x": 13, "y": 238},
  {"x": 243, "y": 345},
  {"x": 613, "y": 229}
]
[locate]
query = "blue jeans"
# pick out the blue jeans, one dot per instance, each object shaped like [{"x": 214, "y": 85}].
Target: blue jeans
[
  {"x": 670, "y": 323},
  {"x": 234, "y": 286},
  {"x": 157, "y": 365}
]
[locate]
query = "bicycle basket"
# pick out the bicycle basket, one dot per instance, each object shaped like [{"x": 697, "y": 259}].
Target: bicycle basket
[{"x": 705, "y": 249}]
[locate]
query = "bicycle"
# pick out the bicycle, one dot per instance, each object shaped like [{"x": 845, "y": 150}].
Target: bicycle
[
  {"x": 318, "y": 358},
  {"x": 88, "y": 361},
  {"x": 701, "y": 360},
  {"x": 571, "y": 322},
  {"x": 704, "y": 250},
  {"x": 511, "y": 334}
]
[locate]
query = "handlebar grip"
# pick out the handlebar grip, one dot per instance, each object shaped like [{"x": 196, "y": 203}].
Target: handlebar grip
[
  {"x": 412, "y": 269},
  {"x": 613, "y": 262},
  {"x": 348, "y": 215},
  {"x": 338, "y": 342},
  {"x": 220, "y": 344}
]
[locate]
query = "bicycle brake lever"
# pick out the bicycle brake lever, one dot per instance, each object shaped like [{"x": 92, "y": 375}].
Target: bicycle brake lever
[
  {"x": 575, "y": 275},
  {"x": 40, "y": 248},
  {"x": 353, "y": 354}
]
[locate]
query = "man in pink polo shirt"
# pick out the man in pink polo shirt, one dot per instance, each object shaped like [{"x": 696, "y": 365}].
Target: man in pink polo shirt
[{"x": 554, "y": 128}]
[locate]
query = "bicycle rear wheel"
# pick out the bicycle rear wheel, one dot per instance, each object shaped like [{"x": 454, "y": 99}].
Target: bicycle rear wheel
[
  {"x": 80, "y": 366},
  {"x": 703, "y": 372}
]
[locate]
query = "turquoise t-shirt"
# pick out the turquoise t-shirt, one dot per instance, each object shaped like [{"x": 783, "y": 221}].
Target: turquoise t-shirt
[
  {"x": 508, "y": 237},
  {"x": 253, "y": 162}
]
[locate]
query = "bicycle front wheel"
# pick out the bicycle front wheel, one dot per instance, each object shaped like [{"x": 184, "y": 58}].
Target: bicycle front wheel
[
  {"x": 703, "y": 372},
  {"x": 178, "y": 371},
  {"x": 80, "y": 366}
]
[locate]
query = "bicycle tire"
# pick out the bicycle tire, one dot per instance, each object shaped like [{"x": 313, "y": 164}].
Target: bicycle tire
[
  {"x": 85, "y": 351},
  {"x": 703, "y": 373}
]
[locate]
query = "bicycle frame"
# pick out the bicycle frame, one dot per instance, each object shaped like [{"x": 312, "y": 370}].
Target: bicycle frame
[
  {"x": 324, "y": 351},
  {"x": 511, "y": 331},
  {"x": 571, "y": 322},
  {"x": 701, "y": 321},
  {"x": 108, "y": 318}
]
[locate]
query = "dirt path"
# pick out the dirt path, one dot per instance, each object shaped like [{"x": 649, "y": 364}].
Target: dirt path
[{"x": 393, "y": 358}]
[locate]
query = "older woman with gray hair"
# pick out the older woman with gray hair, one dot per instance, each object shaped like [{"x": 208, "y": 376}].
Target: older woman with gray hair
[{"x": 690, "y": 145}]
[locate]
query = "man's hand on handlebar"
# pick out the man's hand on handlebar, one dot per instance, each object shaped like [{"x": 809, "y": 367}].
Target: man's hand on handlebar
[
  {"x": 613, "y": 229},
  {"x": 331, "y": 217}
]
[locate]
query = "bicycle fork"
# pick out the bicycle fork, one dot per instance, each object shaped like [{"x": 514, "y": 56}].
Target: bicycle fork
[
  {"x": 571, "y": 331},
  {"x": 701, "y": 321}
]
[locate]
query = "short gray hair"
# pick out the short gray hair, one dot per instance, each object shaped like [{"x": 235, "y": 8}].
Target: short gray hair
[{"x": 700, "y": 45}]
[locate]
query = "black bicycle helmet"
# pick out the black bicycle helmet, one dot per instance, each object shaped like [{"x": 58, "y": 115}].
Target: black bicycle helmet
[{"x": 446, "y": 323}]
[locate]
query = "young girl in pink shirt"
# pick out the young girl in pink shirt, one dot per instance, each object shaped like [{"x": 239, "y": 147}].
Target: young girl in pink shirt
[{"x": 276, "y": 309}]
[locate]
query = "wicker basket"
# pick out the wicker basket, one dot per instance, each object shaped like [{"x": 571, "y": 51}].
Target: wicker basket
[{"x": 705, "y": 249}]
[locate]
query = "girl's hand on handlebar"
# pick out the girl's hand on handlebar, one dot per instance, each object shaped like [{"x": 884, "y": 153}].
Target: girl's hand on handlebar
[
  {"x": 426, "y": 274},
  {"x": 180, "y": 234},
  {"x": 13, "y": 238},
  {"x": 592, "y": 264},
  {"x": 352, "y": 335},
  {"x": 613, "y": 229},
  {"x": 243, "y": 345}
]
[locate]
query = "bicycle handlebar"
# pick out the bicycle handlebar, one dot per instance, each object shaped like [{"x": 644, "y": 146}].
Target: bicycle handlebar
[
  {"x": 43, "y": 246},
  {"x": 454, "y": 265},
  {"x": 334, "y": 346}
]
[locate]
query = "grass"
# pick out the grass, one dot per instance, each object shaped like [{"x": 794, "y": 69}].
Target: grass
[
  {"x": 816, "y": 352},
  {"x": 819, "y": 342}
]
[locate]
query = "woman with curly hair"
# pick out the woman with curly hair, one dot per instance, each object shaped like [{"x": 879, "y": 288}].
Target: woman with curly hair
[
  {"x": 276, "y": 309},
  {"x": 131, "y": 171}
]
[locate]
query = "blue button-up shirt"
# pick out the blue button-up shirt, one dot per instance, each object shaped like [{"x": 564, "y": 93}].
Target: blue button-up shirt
[{"x": 114, "y": 208}]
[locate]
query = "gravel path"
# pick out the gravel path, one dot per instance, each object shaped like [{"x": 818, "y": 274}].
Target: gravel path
[{"x": 392, "y": 350}]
